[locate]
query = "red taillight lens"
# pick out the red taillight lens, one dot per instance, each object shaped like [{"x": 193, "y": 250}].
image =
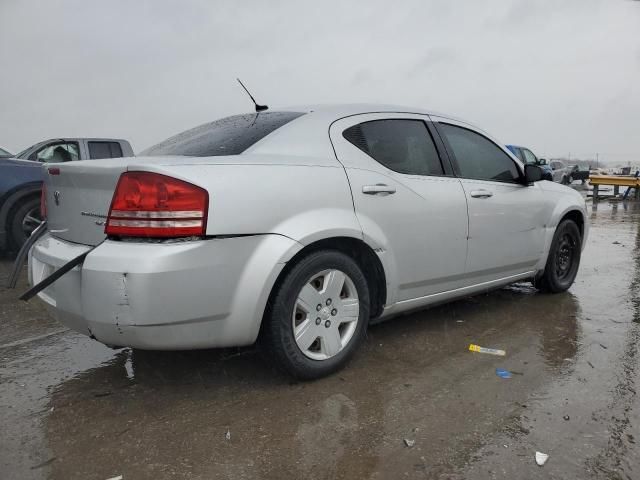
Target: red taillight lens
[
  {"x": 43, "y": 202},
  {"x": 148, "y": 204}
]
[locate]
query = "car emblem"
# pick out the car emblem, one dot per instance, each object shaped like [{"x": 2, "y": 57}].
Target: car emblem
[{"x": 56, "y": 197}]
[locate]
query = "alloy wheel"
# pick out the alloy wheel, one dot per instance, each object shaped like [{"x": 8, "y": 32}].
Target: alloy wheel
[{"x": 325, "y": 315}]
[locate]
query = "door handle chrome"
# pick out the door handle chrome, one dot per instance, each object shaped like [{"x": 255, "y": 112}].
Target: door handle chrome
[
  {"x": 377, "y": 189},
  {"x": 481, "y": 193}
]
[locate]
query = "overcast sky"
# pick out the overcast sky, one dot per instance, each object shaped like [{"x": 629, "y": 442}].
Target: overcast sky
[{"x": 558, "y": 76}]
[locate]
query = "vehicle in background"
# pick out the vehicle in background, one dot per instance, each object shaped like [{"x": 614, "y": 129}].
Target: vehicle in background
[
  {"x": 576, "y": 173},
  {"x": 21, "y": 180},
  {"x": 298, "y": 227},
  {"x": 527, "y": 157},
  {"x": 4, "y": 153},
  {"x": 561, "y": 173},
  {"x": 59, "y": 150}
]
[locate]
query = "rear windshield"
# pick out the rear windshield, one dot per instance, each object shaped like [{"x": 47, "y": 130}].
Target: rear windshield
[{"x": 227, "y": 136}]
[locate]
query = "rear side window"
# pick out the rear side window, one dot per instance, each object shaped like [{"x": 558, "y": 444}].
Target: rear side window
[
  {"x": 404, "y": 146},
  {"x": 478, "y": 157},
  {"x": 99, "y": 150},
  {"x": 227, "y": 136}
]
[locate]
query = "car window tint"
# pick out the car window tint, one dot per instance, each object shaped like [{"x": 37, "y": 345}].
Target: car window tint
[
  {"x": 58, "y": 153},
  {"x": 99, "y": 150},
  {"x": 404, "y": 146},
  {"x": 529, "y": 157},
  {"x": 520, "y": 155},
  {"x": 227, "y": 136},
  {"x": 478, "y": 157}
]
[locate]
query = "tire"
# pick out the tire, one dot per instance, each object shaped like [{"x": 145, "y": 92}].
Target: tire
[
  {"x": 305, "y": 301},
  {"x": 24, "y": 220},
  {"x": 564, "y": 259}
]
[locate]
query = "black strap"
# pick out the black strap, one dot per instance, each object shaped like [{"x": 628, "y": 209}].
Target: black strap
[{"x": 33, "y": 291}]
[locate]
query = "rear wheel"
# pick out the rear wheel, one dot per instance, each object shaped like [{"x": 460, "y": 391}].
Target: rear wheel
[
  {"x": 563, "y": 260},
  {"x": 25, "y": 219},
  {"x": 318, "y": 316}
]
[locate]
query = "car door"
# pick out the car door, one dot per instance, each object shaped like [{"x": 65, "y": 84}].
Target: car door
[
  {"x": 409, "y": 204},
  {"x": 506, "y": 217}
]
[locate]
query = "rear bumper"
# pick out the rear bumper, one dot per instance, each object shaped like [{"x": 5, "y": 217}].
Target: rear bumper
[{"x": 196, "y": 294}]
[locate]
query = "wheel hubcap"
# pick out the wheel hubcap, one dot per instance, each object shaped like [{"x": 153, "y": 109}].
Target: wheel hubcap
[{"x": 325, "y": 315}]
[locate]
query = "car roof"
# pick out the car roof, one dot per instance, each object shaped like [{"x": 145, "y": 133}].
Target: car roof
[
  {"x": 306, "y": 135},
  {"x": 341, "y": 110}
]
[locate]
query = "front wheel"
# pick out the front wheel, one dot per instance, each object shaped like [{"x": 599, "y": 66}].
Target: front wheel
[
  {"x": 318, "y": 315},
  {"x": 563, "y": 260}
]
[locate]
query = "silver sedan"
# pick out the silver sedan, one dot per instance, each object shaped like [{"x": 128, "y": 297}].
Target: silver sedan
[{"x": 298, "y": 227}]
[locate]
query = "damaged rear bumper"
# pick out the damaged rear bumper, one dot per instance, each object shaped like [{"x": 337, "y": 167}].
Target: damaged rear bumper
[{"x": 196, "y": 294}]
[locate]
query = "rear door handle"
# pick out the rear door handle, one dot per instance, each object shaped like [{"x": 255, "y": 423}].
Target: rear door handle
[
  {"x": 481, "y": 193},
  {"x": 378, "y": 189}
]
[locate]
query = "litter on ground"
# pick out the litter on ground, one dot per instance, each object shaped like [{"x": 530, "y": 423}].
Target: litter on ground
[
  {"x": 409, "y": 443},
  {"x": 490, "y": 351},
  {"x": 541, "y": 458},
  {"x": 502, "y": 373}
]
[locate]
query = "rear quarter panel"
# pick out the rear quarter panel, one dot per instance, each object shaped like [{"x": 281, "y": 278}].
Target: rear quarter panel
[
  {"x": 303, "y": 202},
  {"x": 18, "y": 179}
]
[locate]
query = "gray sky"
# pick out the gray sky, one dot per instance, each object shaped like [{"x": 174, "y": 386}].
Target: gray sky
[{"x": 558, "y": 76}]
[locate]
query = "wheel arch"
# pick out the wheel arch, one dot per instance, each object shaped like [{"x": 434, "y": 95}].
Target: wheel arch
[
  {"x": 564, "y": 212},
  {"x": 577, "y": 216},
  {"x": 355, "y": 248}
]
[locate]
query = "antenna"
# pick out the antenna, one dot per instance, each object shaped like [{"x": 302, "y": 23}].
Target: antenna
[{"x": 259, "y": 108}]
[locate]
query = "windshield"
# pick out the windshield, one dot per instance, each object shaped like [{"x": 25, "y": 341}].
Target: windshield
[
  {"x": 4, "y": 153},
  {"x": 25, "y": 153},
  {"x": 227, "y": 136}
]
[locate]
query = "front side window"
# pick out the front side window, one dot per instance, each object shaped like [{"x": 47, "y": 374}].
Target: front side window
[
  {"x": 57, "y": 153},
  {"x": 478, "y": 157},
  {"x": 99, "y": 150},
  {"x": 404, "y": 146},
  {"x": 227, "y": 136},
  {"x": 529, "y": 157}
]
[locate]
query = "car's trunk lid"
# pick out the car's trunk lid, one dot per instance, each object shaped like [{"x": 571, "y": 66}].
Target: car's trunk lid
[{"x": 78, "y": 196}]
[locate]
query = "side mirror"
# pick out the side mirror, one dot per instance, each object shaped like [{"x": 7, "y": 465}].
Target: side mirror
[
  {"x": 542, "y": 161},
  {"x": 532, "y": 173}
]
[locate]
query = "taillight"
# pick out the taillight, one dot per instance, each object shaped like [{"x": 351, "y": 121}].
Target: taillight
[
  {"x": 43, "y": 202},
  {"x": 148, "y": 204}
]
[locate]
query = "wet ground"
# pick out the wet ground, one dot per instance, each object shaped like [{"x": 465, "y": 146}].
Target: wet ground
[{"x": 72, "y": 408}]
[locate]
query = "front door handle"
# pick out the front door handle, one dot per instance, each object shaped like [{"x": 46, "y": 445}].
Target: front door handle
[
  {"x": 378, "y": 189},
  {"x": 481, "y": 193}
]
